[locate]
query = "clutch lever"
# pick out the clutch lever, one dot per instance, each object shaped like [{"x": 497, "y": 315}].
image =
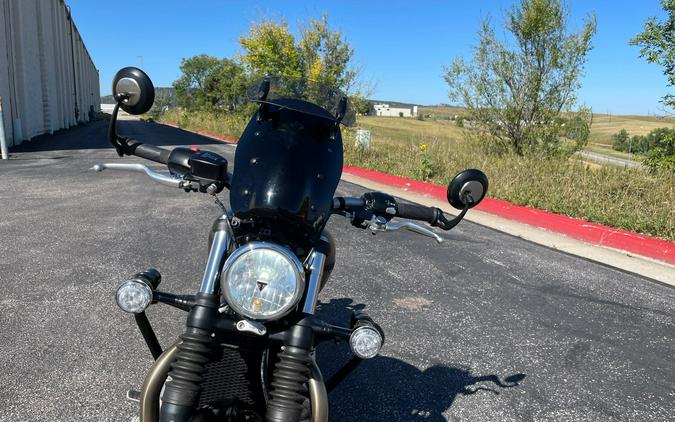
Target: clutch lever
[
  {"x": 154, "y": 175},
  {"x": 380, "y": 224}
]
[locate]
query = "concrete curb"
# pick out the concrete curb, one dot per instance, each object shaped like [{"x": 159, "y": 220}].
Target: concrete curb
[{"x": 590, "y": 233}]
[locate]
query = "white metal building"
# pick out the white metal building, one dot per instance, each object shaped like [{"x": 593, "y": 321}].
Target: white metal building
[
  {"x": 385, "y": 110},
  {"x": 48, "y": 80}
]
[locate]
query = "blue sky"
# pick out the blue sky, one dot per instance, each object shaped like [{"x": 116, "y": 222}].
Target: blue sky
[{"x": 401, "y": 45}]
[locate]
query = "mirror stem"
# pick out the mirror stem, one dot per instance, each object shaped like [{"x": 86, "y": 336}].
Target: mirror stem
[
  {"x": 113, "y": 138},
  {"x": 448, "y": 224}
]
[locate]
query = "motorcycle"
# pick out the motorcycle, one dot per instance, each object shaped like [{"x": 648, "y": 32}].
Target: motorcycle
[{"x": 248, "y": 349}]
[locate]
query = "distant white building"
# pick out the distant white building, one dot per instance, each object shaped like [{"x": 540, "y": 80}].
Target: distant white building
[{"x": 385, "y": 110}]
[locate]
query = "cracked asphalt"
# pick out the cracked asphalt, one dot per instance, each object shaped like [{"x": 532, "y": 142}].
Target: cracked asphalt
[{"x": 484, "y": 327}]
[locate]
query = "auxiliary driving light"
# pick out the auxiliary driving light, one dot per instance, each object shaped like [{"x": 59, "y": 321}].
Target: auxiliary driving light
[
  {"x": 366, "y": 342},
  {"x": 134, "y": 296}
]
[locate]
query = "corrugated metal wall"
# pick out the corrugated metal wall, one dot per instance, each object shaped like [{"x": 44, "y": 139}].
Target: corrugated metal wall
[{"x": 48, "y": 80}]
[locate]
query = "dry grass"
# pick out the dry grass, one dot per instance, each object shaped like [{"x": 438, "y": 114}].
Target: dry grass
[
  {"x": 629, "y": 199},
  {"x": 224, "y": 124},
  {"x": 442, "y": 112},
  {"x": 605, "y": 126}
]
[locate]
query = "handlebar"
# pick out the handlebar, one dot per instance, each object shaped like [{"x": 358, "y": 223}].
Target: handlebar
[
  {"x": 379, "y": 205},
  {"x": 147, "y": 151},
  {"x": 418, "y": 212}
]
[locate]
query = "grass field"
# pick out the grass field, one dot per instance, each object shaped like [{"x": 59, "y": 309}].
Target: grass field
[
  {"x": 605, "y": 126},
  {"x": 629, "y": 199}
]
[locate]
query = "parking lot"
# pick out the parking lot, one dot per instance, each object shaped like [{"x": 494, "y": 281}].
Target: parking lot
[{"x": 485, "y": 326}]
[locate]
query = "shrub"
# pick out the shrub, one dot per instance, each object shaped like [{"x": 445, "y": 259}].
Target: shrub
[
  {"x": 621, "y": 140},
  {"x": 578, "y": 129},
  {"x": 657, "y": 138},
  {"x": 662, "y": 154},
  {"x": 459, "y": 121}
]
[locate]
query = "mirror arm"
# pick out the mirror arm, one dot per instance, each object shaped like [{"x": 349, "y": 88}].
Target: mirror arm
[
  {"x": 117, "y": 141},
  {"x": 446, "y": 224},
  {"x": 113, "y": 138}
]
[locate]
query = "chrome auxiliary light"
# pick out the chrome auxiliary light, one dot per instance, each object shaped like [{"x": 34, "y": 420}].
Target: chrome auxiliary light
[
  {"x": 366, "y": 341},
  {"x": 135, "y": 295}
]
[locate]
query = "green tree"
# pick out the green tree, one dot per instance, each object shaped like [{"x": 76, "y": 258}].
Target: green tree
[
  {"x": 209, "y": 83},
  {"x": 361, "y": 104},
  {"x": 657, "y": 43},
  {"x": 517, "y": 92},
  {"x": 225, "y": 87},
  {"x": 270, "y": 49},
  {"x": 578, "y": 127},
  {"x": 662, "y": 154},
  {"x": 621, "y": 140},
  {"x": 320, "y": 54},
  {"x": 190, "y": 85},
  {"x": 165, "y": 99},
  {"x": 325, "y": 55}
]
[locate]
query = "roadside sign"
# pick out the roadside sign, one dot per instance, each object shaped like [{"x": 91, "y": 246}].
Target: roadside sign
[{"x": 362, "y": 138}]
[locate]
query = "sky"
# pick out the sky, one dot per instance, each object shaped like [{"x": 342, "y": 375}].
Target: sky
[{"x": 402, "y": 46}]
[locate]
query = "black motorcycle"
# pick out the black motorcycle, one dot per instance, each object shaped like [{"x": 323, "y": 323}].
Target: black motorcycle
[{"x": 248, "y": 350}]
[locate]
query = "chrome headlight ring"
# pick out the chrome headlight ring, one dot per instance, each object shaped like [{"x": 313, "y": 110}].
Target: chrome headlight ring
[{"x": 262, "y": 281}]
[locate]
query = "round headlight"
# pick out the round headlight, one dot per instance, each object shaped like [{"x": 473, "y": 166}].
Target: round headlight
[{"x": 262, "y": 281}]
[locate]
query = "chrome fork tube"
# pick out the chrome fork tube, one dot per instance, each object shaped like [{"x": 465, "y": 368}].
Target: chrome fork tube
[
  {"x": 222, "y": 239},
  {"x": 316, "y": 262}
]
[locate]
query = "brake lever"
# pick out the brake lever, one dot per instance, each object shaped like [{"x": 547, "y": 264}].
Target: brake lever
[
  {"x": 154, "y": 175},
  {"x": 380, "y": 224}
]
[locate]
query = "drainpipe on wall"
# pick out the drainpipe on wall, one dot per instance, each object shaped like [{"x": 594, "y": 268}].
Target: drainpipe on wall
[
  {"x": 72, "y": 50},
  {"x": 3, "y": 141}
]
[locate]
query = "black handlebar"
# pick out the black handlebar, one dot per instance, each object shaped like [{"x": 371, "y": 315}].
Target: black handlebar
[
  {"x": 418, "y": 212},
  {"x": 147, "y": 151},
  {"x": 362, "y": 207}
]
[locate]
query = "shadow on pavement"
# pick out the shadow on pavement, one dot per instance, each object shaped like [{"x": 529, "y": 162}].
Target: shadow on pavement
[
  {"x": 94, "y": 135},
  {"x": 389, "y": 389}
]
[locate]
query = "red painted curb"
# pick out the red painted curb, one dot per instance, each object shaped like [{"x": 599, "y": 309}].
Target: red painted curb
[{"x": 576, "y": 228}]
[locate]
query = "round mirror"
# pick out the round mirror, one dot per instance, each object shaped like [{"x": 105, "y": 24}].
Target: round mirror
[
  {"x": 468, "y": 186},
  {"x": 135, "y": 90}
]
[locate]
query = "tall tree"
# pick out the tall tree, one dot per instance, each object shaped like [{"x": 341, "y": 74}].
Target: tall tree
[
  {"x": 190, "y": 85},
  {"x": 522, "y": 90},
  {"x": 657, "y": 43},
  {"x": 209, "y": 83},
  {"x": 270, "y": 49},
  {"x": 319, "y": 54}
]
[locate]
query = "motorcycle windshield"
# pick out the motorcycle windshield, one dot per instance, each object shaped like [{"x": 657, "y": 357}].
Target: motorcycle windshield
[
  {"x": 311, "y": 92},
  {"x": 286, "y": 169}
]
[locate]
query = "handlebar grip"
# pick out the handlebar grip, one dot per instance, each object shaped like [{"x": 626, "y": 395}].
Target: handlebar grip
[
  {"x": 149, "y": 152},
  {"x": 344, "y": 203},
  {"x": 417, "y": 212}
]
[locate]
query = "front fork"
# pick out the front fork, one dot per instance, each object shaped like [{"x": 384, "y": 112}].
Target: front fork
[
  {"x": 187, "y": 359},
  {"x": 181, "y": 394}
]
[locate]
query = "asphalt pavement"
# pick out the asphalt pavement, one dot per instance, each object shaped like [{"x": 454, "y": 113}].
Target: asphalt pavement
[{"x": 485, "y": 326}]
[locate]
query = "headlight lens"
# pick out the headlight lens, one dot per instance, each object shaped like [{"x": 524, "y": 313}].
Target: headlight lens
[{"x": 262, "y": 281}]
